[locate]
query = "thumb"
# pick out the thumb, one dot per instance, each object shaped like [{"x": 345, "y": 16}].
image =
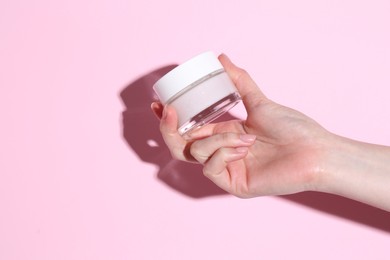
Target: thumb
[{"x": 250, "y": 93}]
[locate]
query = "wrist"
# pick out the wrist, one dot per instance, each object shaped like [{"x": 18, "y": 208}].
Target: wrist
[
  {"x": 335, "y": 160},
  {"x": 355, "y": 170}
]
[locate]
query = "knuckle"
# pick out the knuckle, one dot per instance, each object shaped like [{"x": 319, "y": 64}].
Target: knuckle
[
  {"x": 194, "y": 149},
  {"x": 241, "y": 75},
  {"x": 228, "y": 139},
  {"x": 206, "y": 171},
  {"x": 224, "y": 138},
  {"x": 243, "y": 71}
]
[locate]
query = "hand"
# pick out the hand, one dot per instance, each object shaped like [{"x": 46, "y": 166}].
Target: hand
[{"x": 276, "y": 150}]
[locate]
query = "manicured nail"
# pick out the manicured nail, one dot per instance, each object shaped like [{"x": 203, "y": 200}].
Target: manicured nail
[
  {"x": 248, "y": 138},
  {"x": 153, "y": 106},
  {"x": 227, "y": 57}
]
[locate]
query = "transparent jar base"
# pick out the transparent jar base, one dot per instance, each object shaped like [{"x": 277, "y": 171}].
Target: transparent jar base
[{"x": 211, "y": 113}]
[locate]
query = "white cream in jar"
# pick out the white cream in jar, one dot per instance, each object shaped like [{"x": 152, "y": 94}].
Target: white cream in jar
[{"x": 200, "y": 91}]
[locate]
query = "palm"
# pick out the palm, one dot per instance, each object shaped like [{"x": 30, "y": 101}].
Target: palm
[{"x": 283, "y": 156}]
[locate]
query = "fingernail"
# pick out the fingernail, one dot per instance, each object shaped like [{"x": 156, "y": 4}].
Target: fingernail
[
  {"x": 248, "y": 138},
  {"x": 226, "y": 57},
  {"x": 153, "y": 106},
  {"x": 242, "y": 149}
]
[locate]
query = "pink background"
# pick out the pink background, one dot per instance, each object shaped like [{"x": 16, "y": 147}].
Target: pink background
[{"x": 82, "y": 179}]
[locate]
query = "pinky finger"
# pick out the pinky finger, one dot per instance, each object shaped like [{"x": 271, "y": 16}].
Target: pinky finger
[{"x": 216, "y": 167}]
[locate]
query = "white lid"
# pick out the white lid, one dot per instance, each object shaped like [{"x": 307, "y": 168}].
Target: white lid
[{"x": 186, "y": 74}]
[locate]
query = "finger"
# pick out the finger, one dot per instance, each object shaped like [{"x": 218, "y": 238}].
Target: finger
[
  {"x": 203, "y": 149},
  {"x": 250, "y": 93},
  {"x": 172, "y": 138},
  {"x": 157, "y": 109},
  {"x": 216, "y": 168},
  {"x": 213, "y": 128},
  {"x": 202, "y": 132}
]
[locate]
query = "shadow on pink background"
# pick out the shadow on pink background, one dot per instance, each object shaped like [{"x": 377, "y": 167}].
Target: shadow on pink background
[
  {"x": 84, "y": 174},
  {"x": 145, "y": 139}
]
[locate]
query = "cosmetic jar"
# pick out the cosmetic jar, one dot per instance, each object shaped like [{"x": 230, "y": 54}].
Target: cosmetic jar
[{"x": 200, "y": 91}]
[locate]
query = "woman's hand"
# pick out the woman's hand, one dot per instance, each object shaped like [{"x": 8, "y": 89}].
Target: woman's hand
[{"x": 276, "y": 150}]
